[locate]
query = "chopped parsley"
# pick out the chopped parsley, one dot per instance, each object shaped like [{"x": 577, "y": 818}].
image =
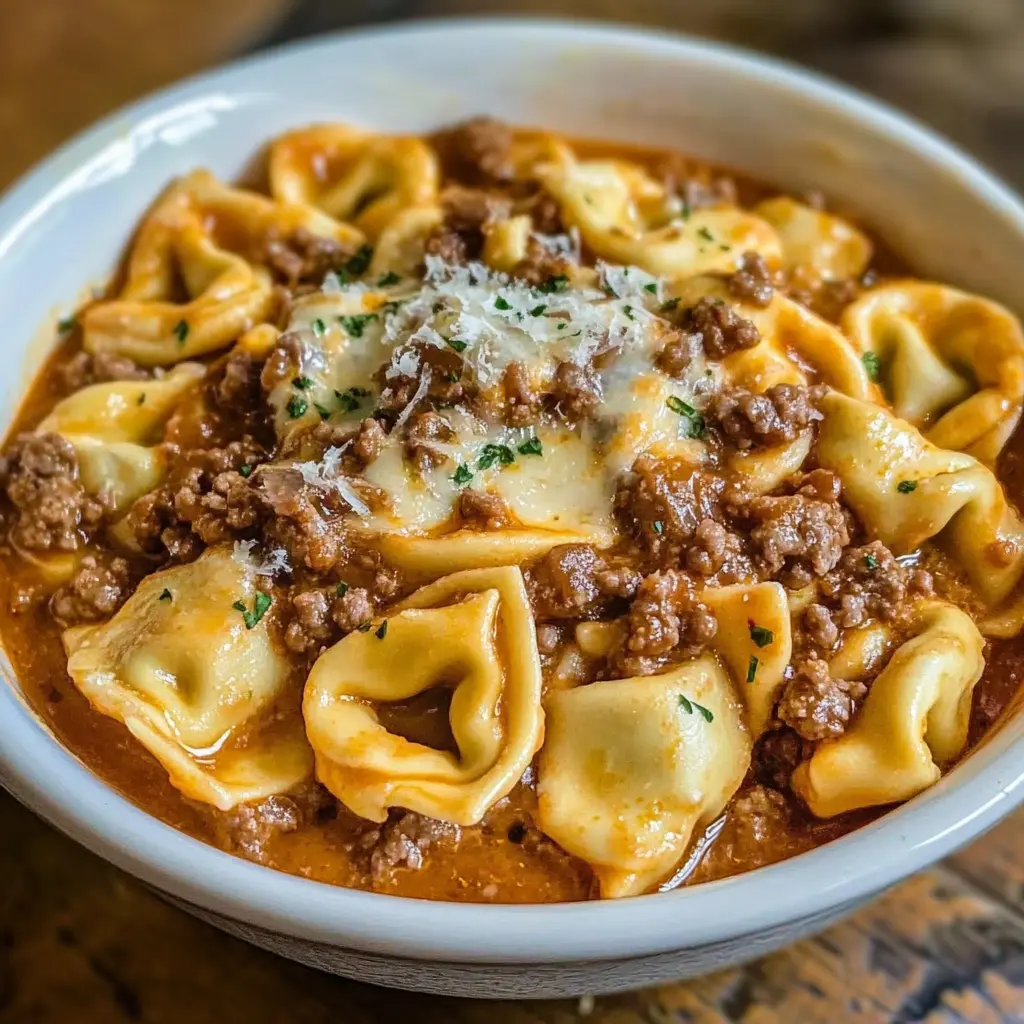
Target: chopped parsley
[
  {"x": 495, "y": 453},
  {"x": 356, "y": 264},
  {"x": 341, "y": 589},
  {"x": 555, "y": 283},
  {"x": 705, "y": 234},
  {"x": 364, "y": 627},
  {"x": 355, "y": 325},
  {"x": 694, "y": 420},
  {"x": 532, "y": 446},
  {"x": 180, "y": 331},
  {"x": 689, "y": 706},
  {"x": 870, "y": 562},
  {"x": 319, "y": 327},
  {"x": 659, "y": 527},
  {"x": 752, "y": 669},
  {"x": 538, "y": 310},
  {"x": 382, "y": 630},
  {"x": 141, "y": 398},
  {"x": 687, "y": 211},
  {"x": 906, "y": 486},
  {"x": 259, "y": 608},
  {"x": 456, "y": 343},
  {"x": 502, "y": 303},
  {"x": 669, "y": 305},
  {"x": 628, "y": 312},
  {"x": 325, "y": 413},
  {"x": 296, "y": 406},
  {"x": 463, "y": 474},
  {"x": 303, "y": 383},
  {"x": 652, "y": 287},
  {"x": 761, "y": 636},
  {"x": 245, "y": 469},
  {"x": 165, "y": 595},
  {"x": 389, "y": 278},
  {"x": 872, "y": 364},
  {"x": 67, "y": 323},
  {"x": 348, "y": 400},
  {"x": 562, "y": 324},
  {"x": 452, "y": 377}
]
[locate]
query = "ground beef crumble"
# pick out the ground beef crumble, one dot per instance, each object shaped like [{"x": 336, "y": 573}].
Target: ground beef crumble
[
  {"x": 39, "y": 474},
  {"x": 484, "y": 510},
  {"x": 318, "y": 617},
  {"x": 753, "y": 282},
  {"x": 85, "y": 368},
  {"x": 480, "y": 150},
  {"x": 666, "y": 621},
  {"x": 574, "y": 581},
  {"x": 816, "y": 706},
  {"x": 776, "y": 756},
  {"x": 99, "y": 587},
  {"x": 778, "y": 416},
  {"x": 721, "y": 329},
  {"x": 867, "y": 584},
  {"x": 404, "y": 839}
]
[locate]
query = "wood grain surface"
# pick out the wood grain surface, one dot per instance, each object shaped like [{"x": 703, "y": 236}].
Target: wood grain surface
[{"x": 81, "y": 942}]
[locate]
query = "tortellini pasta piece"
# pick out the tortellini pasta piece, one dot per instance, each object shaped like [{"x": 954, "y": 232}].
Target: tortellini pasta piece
[
  {"x": 471, "y": 634},
  {"x": 352, "y": 175},
  {"x": 950, "y": 363},
  {"x": 815, "y": 241},
  {"x": 632, "y": 769},
  {"x": 195, "y": 683},
  {"x": 913, "y": 722},
  {"x": 626, "y": 217},
  {"x": 792, "y": 338},
  {"x": 115, "y": 428},
  {"x": 906, "y": 491},
  {"x": 202, "y": 236}
]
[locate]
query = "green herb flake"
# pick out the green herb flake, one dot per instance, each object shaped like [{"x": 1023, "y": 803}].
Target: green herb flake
[
  {"x": 347, "y": 401},
  {"x": 652, "y": 287},
  {"x": 495, "y": 453},
  {"x": 452, "y": 377},
  {"x": 693, "y": 419},
  {"x": 906, "y": 486},
  {"x": 562, "y": 324},
  {"x": 67, "y": 323},
  {"x": 389, "y": 278},
  {"x": 555, "y": 283},
  {"x": 659, "y": 527},
  {"x": 538, "y": 310},
  {"x": 628, "y": 312},
  {"x": 356, "y": 264},
  {"x": 761, "y": 636},
  {"x": 463, "y": 474},
  {"x": 141, "y": 399},
  {"x": 456, "y": 343},
  {"x": 870, "y": 562},
  {"x": 245, "y": 469},
  {"x": 752, "y": 669},
  {"x": 670, "y": 305},
  {"x": 364, "y": 627},
  {"x": 303, "y": 383},
  {"x": 180, "y": 331},
  {"x": 689, "y": 706},
  {"x": 296, "y": 406},
  {"x": 165, "y": 595},
  {"x": 319, "y": 327},
  {"x": 382, "y": 630},
  {"x": 705, "y": 234},
  {"x": 687, "y": 211},
  {"x": 532, "y": 446},
  {"x": 325, "y": 413},
  {"x": 259, "y": 608},
  {"x": 341, "y": 589},
  {"x": 502, "y": 303},
  {"x": 355, "y": 325},
  {"x": 872, "y": 364}
]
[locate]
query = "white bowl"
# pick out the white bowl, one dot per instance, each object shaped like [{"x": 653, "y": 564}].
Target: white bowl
[{"x": 63, "y": 227}]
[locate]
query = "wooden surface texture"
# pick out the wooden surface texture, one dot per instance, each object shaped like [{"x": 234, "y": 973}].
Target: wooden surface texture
[{"x": 81, "y": 943}]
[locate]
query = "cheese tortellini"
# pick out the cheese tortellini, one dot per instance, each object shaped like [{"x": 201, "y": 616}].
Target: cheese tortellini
[
  {"x": 907, "y": 491},
  {"x": 469, "y": 635},
  {"x": 950, "y": 363},
  {"x": 115, "y": 429},
  {"x": 202, "y": 237},
  {"x": 196, "y": 681},
  {"x": 632, "y": 769},
  {"x": 913, "y": 723},
  {"x": 627, "y": 217}
]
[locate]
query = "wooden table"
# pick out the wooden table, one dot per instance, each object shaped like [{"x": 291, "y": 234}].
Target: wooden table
[{"x": 81, "y": 943}]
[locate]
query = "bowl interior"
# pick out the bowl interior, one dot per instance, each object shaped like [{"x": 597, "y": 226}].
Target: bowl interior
[{"x": 63, "y": 228}]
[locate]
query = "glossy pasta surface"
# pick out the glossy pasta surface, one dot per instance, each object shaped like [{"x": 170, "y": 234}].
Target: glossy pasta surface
[{"x": 495, "y": 516}]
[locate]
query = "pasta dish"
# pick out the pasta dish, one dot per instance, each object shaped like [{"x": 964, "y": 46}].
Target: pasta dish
[{"x": 495, "y": 516}]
